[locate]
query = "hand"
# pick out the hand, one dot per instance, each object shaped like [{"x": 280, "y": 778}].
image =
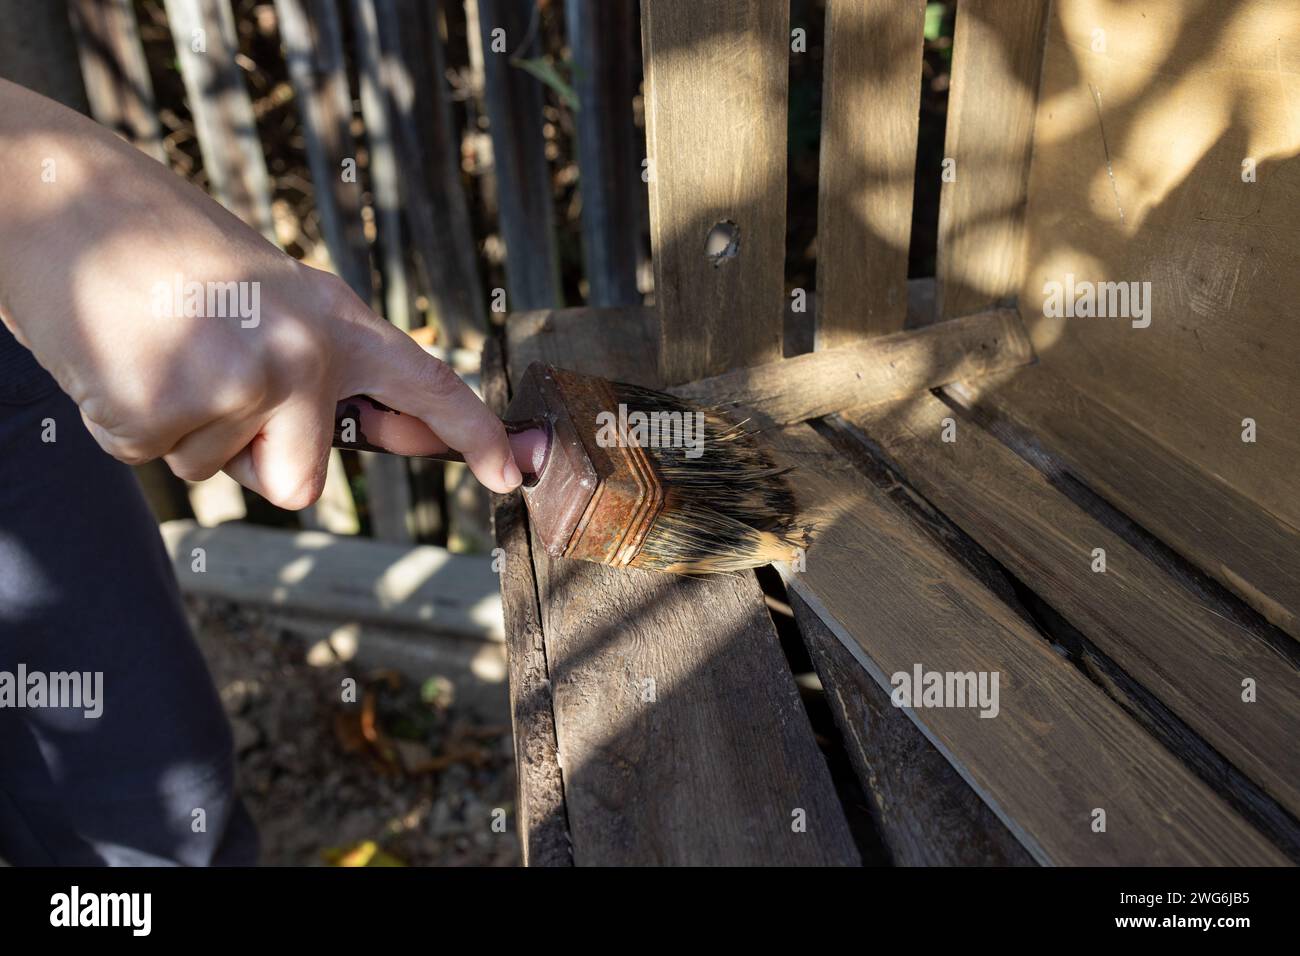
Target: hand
[{"x": 101, "y": 272}]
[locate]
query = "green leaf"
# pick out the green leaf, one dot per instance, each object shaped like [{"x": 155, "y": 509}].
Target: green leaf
[
  {"x": 934, "y": 13},
  {"x": 545, "y": 71}
]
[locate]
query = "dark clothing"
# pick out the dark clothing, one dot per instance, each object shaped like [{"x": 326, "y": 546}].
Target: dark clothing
[{"x": 86, "y": 586}]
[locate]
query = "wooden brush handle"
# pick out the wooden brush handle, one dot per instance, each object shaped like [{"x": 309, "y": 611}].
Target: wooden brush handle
[{"x": 350, "y": 433}]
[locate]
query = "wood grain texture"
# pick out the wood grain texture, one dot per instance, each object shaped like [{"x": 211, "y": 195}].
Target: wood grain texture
[
  {"x": 874, "y": 370},
  {"x": 385, "y": 173},
  {"x": 523, "y": 179},
  {"x": 1192, "y": 659},
  {"x": 541, "y": 817},
  {"x": 870, "y": 109},
  {"x": 312, "y": 34},
  {"x": 1143, "y": 174},
  {"x": 433, "y": 197},
  {"x": 604, "y": 36},
  {"x": 716, "y": 77},
  {"x": 1059, "y": 747},
  {"x": 925, "y": 813},
  {"x": 1241, "y": 545},
  {"x": 996, "y": 60},
  {"x": 222, "y": 111},
  {"x": 116, "y": 75},
  {"x": 681, "y": 736},
  {"x": 353, "y": 578}
]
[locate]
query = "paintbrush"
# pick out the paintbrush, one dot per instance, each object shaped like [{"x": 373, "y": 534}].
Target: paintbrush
[{"x": 631, "y": 477}]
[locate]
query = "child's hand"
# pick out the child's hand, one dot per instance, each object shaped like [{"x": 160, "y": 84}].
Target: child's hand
[{"x": 100, "y": 273}]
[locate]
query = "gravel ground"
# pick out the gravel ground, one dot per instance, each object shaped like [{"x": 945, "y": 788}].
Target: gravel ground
[{"x": 401, "y": 776}]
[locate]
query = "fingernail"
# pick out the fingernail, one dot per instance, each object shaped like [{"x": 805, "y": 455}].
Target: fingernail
[{"x": 511, "y": 475}]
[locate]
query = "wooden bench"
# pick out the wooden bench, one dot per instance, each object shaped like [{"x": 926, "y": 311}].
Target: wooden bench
[{"x": 1147, "y": 712}]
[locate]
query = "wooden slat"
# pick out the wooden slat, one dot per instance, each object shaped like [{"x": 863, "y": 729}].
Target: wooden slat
[
  {"x": 997, "y": 53},
  {"x": 1139, "y": 177},
  {"x": 541, "y": 817},
  {"x": 875, "y": 370},
  {"x": 222, "y": 110},
  {"x": 388, "y": 489},
  {"x": 1244, "y": 547},
  {"x": 603, "y": 37},
  {"x": 925, "y": 813},
  {"x": 1059, "y": 748},
  {"x": 115, "y": 72},
  {"x": 384, "y": 170},
  {"x": 713, "y": 769},
  {"x": 716, "y": 77},
  {"x": 428, "y": 154},
  {"x": 352, "y": 578},
  {"x": 523, "y": 179},
  {"x": 313, "y": 46},
  {"x": 1192, "y": 659},
  {"x": 870, "y": 109}
]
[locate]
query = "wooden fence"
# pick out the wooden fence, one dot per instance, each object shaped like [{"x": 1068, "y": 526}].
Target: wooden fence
[{"x": 383, "y": 134}]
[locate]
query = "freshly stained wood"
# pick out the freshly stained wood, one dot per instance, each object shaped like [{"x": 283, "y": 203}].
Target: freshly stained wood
[
  {"x": 206, "y": 44},
  {"x": 541, "y": 819},
  {"x": 1247, "y": 549},
  {"x": 1192, "y": 659},
  {"x": 875, "y": 370},
  {"x": 603, "y": 37},
  {"x": 353, "y": 578},
  {"x": 925, "y": 813},
  {"x": 115, "y": 72},
  {"x": 716, "y": 77},
  {"x": 523, "y": 179},
  {"x": 681, "y": 735},
  {"x": 996, "y": 58},
  {"x": 1059, "y": 748},
  {"x": 870, "y": 108},
  {"x": 1146, "y": 172}
]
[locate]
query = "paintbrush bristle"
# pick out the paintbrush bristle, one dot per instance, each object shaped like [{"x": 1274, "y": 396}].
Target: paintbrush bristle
[{"x": 727, "y": 505}]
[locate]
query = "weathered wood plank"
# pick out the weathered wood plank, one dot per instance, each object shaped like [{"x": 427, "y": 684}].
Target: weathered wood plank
[
  {"x": 870, "y": 110},
  {"x": 428, "y": 155},
  {"x": 926, "y": 814},
  {"x": 353, "y": 578},
  {"x": 603, "y": 37},
  {"x": 523, "y": 179},
  {"x": 1058, "y": 749},
  {"x": 113, "y": 67},
  {"x": 313, "y": 44},
  {"x": 996, "y": 57},
  {"x": 716, "y": 77},
  {"x": 681, "y": 735},
  {"x": 1190, "y": 658},
  {"x": 204, "y": 34},
  {"x": 874, "y": 370},
  {"x": 541, "y": 816},
  {"x": 1146, "y": 176},
  {"x": 1241, "y": 545},
  {"x": 384, "y": 170},
  {"x": 388, "y": 490}
]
